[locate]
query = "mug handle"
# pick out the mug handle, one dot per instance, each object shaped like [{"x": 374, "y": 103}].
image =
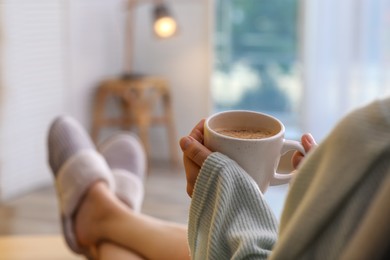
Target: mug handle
[{"x": 283, "y": 178}]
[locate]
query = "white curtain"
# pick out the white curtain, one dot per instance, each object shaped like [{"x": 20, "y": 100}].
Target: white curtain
[{"x": 346, "y": 58}]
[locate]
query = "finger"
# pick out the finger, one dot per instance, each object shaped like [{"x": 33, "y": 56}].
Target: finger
[
  {"x": 197, "y": 131},
  {"x": 194, "y": 150},
  {"x": 308, "y": 142},
  {"x": 296, "y": 159},
  {"x": 192, "y": 171}
]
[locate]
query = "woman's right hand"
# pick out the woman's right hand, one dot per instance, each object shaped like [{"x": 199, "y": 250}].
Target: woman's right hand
[{"x": 194, "y": 154}]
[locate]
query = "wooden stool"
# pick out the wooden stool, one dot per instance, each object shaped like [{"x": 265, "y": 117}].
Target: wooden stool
[{"x": 138, "y": 97}]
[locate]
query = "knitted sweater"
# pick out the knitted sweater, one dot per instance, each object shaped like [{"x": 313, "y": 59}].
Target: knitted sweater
[{"x": 331, "y": 207}]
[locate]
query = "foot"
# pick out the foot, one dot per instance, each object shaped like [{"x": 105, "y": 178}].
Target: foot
[
  {"x": 66, "y": 138},
  {"x": 124, "y": 151},
  {"x": 79, "y": 172},
  {"x": 95, "y": 210},
  {"x": 127, "y": 159}
]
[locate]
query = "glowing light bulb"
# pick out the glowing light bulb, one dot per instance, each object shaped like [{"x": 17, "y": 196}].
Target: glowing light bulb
[{"x": 165, "y": 27}]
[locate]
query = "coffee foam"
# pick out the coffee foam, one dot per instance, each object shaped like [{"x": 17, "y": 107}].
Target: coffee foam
[{"x": 245, "y": 133}]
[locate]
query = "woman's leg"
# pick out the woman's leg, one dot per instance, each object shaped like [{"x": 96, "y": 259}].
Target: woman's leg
[
  {"x": 91, "y": 211},
  {"x": 103, "y": 217},
  {"x": 109, "y": 251}
]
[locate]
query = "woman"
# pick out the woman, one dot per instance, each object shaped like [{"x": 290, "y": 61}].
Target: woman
[{"x": 331, "y": 208}]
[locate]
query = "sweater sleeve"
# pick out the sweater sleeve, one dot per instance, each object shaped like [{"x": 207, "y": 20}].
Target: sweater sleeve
[{"x": 229, "y": 217}]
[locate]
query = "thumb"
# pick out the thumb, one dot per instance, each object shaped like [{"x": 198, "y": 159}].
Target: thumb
[{"x": 194, "y": 150}]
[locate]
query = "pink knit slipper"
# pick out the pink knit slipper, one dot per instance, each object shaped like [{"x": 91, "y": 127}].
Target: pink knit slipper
[
  {"x": 76, "y": 165},
  {"x": 126, "y": 157}
]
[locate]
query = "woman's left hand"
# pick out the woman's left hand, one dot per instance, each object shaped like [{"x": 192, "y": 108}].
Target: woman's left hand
[{"x": 308, "y": 143}]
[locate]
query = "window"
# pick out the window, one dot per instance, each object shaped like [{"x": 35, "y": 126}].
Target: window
[
  {"x": 256, "y": 65},
  {"x": 345, "y": 50},
  {"x": 256, "y": 59}
]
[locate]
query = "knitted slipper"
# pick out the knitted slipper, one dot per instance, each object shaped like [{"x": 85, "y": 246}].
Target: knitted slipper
[
  {"x": 126, "y": 157},
  {"x": 76, "y": 165}
]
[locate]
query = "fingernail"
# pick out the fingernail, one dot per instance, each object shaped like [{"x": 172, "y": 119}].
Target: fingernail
[
  {"x": 309, "y": 138},
  {"x": 185, "y": 142}
]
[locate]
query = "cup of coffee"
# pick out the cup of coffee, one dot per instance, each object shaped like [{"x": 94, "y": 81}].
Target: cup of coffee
[{"x": 254, "y": 140}]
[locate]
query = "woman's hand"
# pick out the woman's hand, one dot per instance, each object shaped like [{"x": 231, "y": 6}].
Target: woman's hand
[
  {"x": 194, "y": 154},
  {"x": 308, "y": 143}
]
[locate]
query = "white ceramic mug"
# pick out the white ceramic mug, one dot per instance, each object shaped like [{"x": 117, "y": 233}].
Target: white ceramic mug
[{"x": 258, "y": 157}]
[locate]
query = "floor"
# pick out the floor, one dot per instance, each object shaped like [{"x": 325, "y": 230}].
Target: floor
[{"x": 37, "y": 212}]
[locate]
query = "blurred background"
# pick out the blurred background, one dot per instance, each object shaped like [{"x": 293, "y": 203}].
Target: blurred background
[{"x": 306, "y": 62}]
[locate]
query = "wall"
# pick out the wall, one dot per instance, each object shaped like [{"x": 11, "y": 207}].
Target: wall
[
  {"x": 32, "y": 90},
  {"x": 184, "y": 60},
  {"x": 56, "y": 52},
  {"x": 96, "y": 35},
  {"x": 95, "y": 50}
]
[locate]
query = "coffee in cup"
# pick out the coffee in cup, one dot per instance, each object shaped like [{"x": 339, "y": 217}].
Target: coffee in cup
[
  {"x": 254, "y": 140},
  {"x": 244, "y": 133}
]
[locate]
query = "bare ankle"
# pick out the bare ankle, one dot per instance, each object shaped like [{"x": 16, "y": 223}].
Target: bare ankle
[{"x": 93, "y": 211}]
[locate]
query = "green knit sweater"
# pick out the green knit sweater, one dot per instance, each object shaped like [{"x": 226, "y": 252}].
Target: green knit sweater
[{"x": 327, "y": 203}]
